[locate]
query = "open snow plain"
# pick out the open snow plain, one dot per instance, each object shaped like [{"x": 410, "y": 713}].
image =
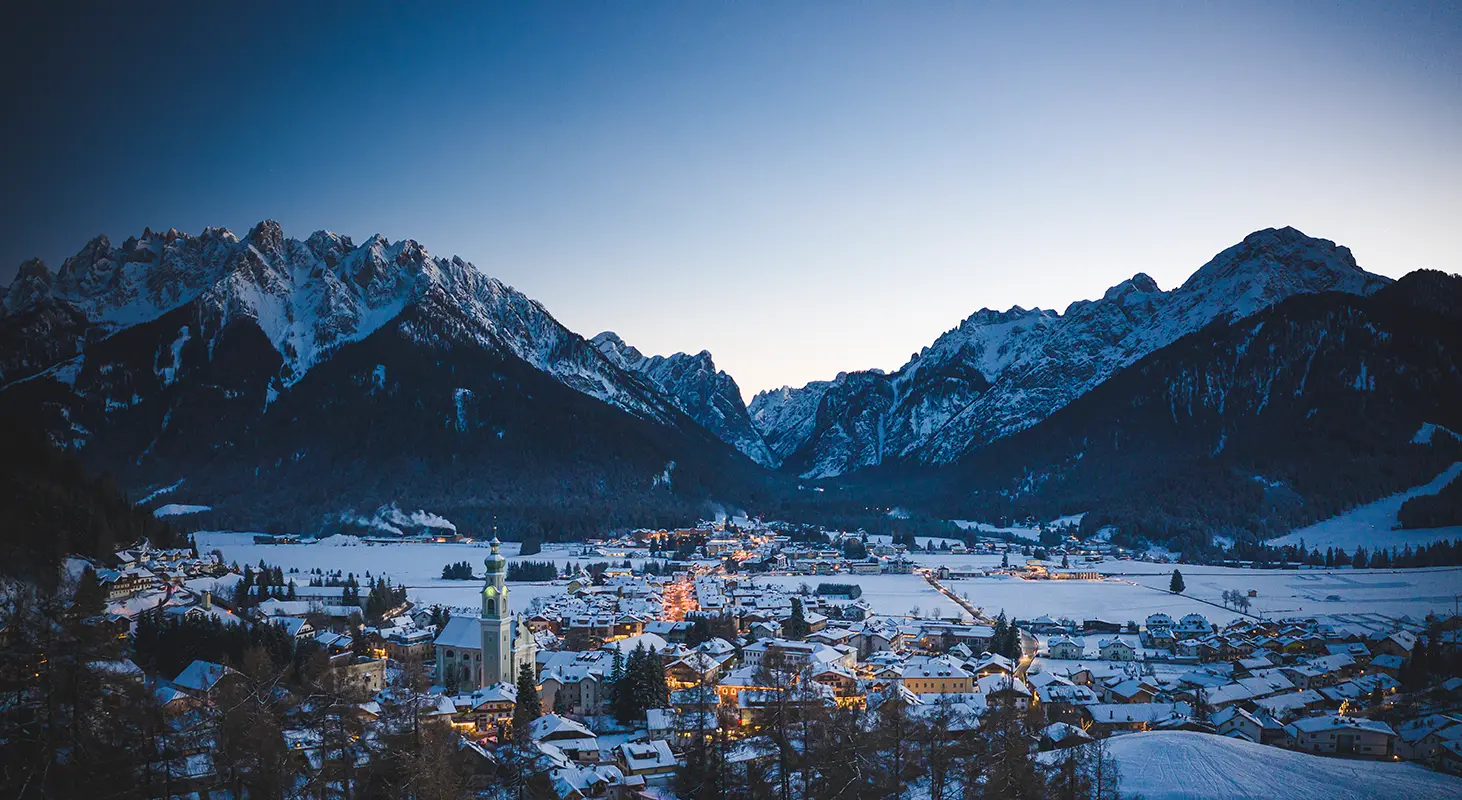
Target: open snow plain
[
  {"x": 1134, "y": 589},
  {"x": 892, "y": 595},
  {"x": 1131, "y": 591},
  {"x": 417, "y": 565},
  {"x": 1181, "y": 765}
]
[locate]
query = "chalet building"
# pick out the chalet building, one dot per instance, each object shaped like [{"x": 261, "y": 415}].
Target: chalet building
[
  {"x": 1117, "y": 650},
  {"x": 1005, "y": 691},
  {"x": 1067, "y": 648},
  {"x": 646, "y": 759},
  {"x": 572, "y": 738},
  {"x": 489, "y": 707},
  {"x": 1343, "y": 736},
  {"x": 1193, "y": 626},
  {"x": 923, "y": 676}
]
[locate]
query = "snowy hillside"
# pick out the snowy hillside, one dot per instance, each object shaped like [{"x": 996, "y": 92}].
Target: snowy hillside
[
  {"x": 1000, "y": 372},
  {"x": 1182, "y": 765},
  {"x": 695, "y": 386},
  {"x": 1374, "y": 524}
]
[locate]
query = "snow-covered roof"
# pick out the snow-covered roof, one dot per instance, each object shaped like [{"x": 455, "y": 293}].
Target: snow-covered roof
[
  {"x": 654, "y": 754},
  {"x": 552, "y": 726},
  {"x": 201, "y": 676},
  {"x": 462, "y": 633},
  {"x": 1339, "y": 723}
]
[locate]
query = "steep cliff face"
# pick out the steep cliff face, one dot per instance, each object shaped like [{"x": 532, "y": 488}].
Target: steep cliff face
[
  {"x": 692, "y": 382},
  {"x": 999, "y": 373}
]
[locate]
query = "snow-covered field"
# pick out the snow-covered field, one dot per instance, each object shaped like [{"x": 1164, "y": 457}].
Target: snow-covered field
[
  {"x": 1181, "y": 765},
  {"x": 1030, "y": 532},
  {"x": 1112, "y": 599},
  {"x": 893, "y": 595},
  {"x": 417, "y": 565},
  {"x": 1410, "y": 592},
  {"x": 1374, "y": 524},
  {"x": 1135, "y": 589}
]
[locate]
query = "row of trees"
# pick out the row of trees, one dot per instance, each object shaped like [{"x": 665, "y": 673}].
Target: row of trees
[
  {"x": 458, "y": 571},
  {"x": 1237, "y": 600},
  {"x": 531, "y": 571},
  {"x": 382, "y": 598},
  {"x": 166, "y": 645},
  {"x": 852, "y": 591}
]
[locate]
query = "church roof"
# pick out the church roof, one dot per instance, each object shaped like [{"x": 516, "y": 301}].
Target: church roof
[{"x": 460, "y": 632}]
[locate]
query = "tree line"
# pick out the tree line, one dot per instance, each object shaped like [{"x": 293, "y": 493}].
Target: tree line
[
  {"x": 457, "y": 571},
  {"x": 523, "y": 571}
]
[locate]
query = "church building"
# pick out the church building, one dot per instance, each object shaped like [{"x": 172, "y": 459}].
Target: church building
[{"x": 477, "y": 653}]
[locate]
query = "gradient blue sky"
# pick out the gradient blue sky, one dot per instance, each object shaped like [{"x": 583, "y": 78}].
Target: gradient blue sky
[{"x": 800, "y": 188}]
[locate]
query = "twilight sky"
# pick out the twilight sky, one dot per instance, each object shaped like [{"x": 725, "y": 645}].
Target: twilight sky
[{"x": 800, "y": 188}]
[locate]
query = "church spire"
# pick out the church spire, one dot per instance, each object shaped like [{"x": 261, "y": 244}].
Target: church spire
[{"x": 494, "y": 588}]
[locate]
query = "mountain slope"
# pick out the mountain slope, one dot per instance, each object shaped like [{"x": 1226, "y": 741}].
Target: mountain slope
[
  {"x": 299, "y": 381},
  {"x": 695, "y": 386},
  {"x": 1244, "y": 429},
  {"x": 999, "y": 373}
]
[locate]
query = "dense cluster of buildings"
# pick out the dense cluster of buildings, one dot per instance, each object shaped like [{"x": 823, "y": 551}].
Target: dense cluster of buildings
[
  {"x": 1328, "y": 686},
  {"x": 730, "y": 644}
]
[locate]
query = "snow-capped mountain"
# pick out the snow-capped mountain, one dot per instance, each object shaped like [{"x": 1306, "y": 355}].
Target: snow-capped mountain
[
  {"x": 214, "y": 357},
  {"x": 998, "y": 373},
  {"x": 695, "y": 386},
  {"x": 1243, "y": 429},
  {"x": 310, "y": 297}
]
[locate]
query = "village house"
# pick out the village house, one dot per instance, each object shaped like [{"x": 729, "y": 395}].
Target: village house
[
  {"x": 652, "y": 758},
  {"x": 1005, "y": 691},
  {"x": 1066, "y": 647},
  {"x": 925, "y": 675},
  {"x": 1117, "y": 650},
  {"x": 570, "y": 737},
  {"x": 1343, "y": 736}
]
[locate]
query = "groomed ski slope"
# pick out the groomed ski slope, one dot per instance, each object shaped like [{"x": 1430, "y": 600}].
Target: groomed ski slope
[{"x": 1180, "y": 765}]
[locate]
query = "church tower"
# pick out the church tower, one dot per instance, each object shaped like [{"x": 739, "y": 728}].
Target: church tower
[{"x": 496, "y": 622}]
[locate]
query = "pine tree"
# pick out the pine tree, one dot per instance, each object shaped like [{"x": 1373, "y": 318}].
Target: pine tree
[
  {"x": 1176, "y": 584},
  {"x": 91, "y": 598},
  {"x": 1002, "y": 632},
  {"x": 528, "y": 706},
  {"x": 796, "y": 625},
  {"x": 625, "y": 702}
]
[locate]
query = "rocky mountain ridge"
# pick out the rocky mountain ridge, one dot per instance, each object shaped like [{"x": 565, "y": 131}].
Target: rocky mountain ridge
[
  {"x": 1001, "y": 372},
  {"x": 692, "y": 382},
  {"x": 212, "y": 358}
]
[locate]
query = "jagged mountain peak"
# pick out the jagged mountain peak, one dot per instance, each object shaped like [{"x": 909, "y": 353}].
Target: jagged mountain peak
[
  {"x": 692, "y": 382},
  {"x": 311, "y": 297}
]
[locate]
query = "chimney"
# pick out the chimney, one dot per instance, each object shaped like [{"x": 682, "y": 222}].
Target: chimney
[{"x": 207, "y": 600}]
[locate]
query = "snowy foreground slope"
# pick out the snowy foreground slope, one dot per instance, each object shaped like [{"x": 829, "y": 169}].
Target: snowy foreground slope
[{"x": 1181, "y": 765}]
